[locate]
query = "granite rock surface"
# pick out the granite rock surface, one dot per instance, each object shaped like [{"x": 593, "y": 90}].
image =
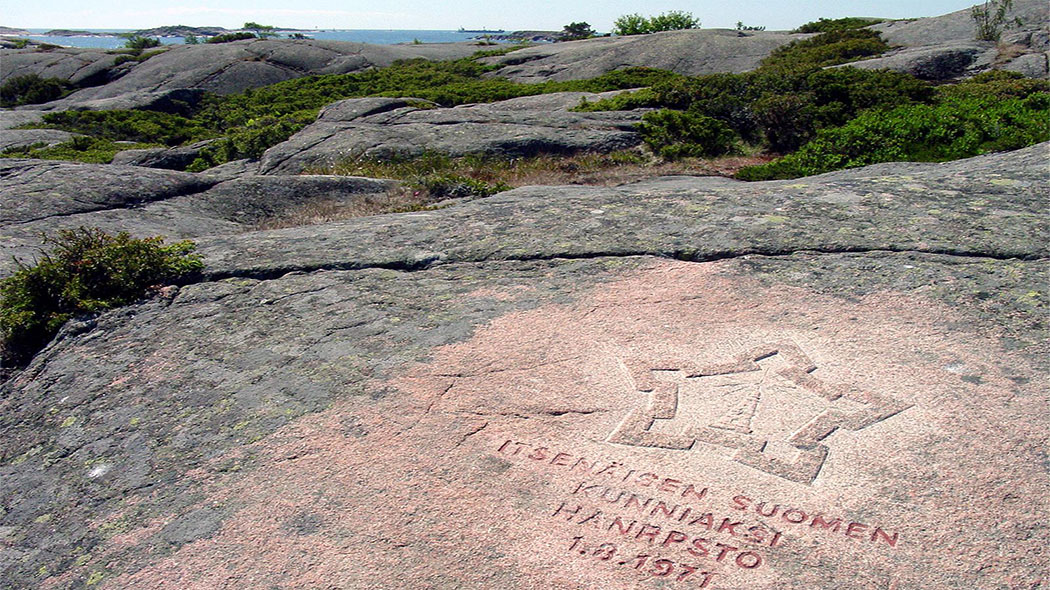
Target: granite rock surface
[
  {"x": 836, "y": 381},
  {"x": 389, "y": 127}
]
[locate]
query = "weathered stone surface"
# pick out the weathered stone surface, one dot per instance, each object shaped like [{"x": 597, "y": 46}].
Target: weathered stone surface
[
  {"x": 12, "y": 138},
  {"x": 40, "y": 197},
  {"x": 1032, "y": 65},
  {"x": 177, "y": 158},
  {"x": 947, "y": 207},
  {"x": 32, "y": 190},
  {"x": 959, "y": 25},
  {"x": 944, "y": 47},
  {"x": 227, "y": 68},
  {"x": 382, "y": 127},
  {"x": 841, "y": 378},
  {"x": 86, "y": 67},
  {"x": 691, "y": 52},
  {"x": 11, "y": 119},
  {"x": 939, "y": 62}
]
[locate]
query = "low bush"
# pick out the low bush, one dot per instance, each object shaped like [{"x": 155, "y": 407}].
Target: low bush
[
  {"x": 230, "y": 37},
  {"x": 140, "y": 43},
  {"x": 782, "y": 109},
  {"x": 32, "y": 89},
  {"x": 137, "y": 126},
  {"x": 676, "y": 134},
  {"x": 454, "y": 186},
  {"x": 422, "y": 172},
  {"x": 86, "y": 271},
  {"x": 141, "y": 57},
  {"x": 1000, "y": 84},
  {"x": 828, "y": 25},
  {"x": 957, "y": 127},
  {"x": 827, "y": 49},
  {"x": 787, "y": 120},
  {"x": 79, "y": 149},
  {"x": 251, "y": 140}
]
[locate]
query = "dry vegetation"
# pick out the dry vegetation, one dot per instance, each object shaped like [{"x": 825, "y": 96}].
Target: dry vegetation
[
  {"x": 590, "y": 169},
  {"x": 425, "y": 180}
]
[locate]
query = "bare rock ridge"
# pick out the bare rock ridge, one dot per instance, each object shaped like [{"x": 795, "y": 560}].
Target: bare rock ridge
[
  {"x": 43, "y": 197},
  {"x": 690, "y": 52},
  {"x": 481, "y": 390},
  {"x": 382, "y": 127},
  {"x": 944, "y": 47},
  {"x": 223, "y": 68}
]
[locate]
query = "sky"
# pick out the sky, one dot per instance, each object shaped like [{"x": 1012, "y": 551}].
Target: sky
[{"x": 429, "y": 14}]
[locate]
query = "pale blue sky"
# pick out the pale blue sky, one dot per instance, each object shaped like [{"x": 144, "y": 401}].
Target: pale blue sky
[{"x": 428, "y": 14}]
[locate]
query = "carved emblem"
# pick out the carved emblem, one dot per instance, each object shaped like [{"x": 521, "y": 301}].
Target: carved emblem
[{"x": 766, "y": 407}]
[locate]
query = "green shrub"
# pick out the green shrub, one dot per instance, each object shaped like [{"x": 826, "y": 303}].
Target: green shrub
[
  {"x": 955, "y": 128},
  {"x": 674, "y": 20},
  {"x": 79, "y": 149},
  {"x": 230, "y": 37},
  {"x": 20, "y": 43},
  {"x": 636, "y": 24},
  {"x": 828, "y": 25},
  {"x": 139, "y": 43},
  {"x": 826, "y": 49},
  {"x": 32, "y": 89},
  {"x": 788, "y": 120},
  {"x": 997, "y": 83},
  {"x": 631, "y": 24},
  {"x": 137, "y": 126},
  {"x": 675, "y": 134},
  {"x": 453, "y": 186},
  {"x": 86, "y": 271},
  {"x": 261, "y": 31},
  {"x": 574, "y": 31},
  {"x": 626, "y": 101},
  {"x": 989, "y": 19},
  {"x": 249, "y": 141},
  {"x": 784, "y": 109},
  {"x": 141, "y": 57}
]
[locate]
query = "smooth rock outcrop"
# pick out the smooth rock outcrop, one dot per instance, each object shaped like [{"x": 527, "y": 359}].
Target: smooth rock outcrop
[
  {"x": 959, "y": 25},
  {"x": 40, "y": 197},
  {"x": 830, "y": 382},
  {"x": 945, "y": 47},
  {"x": 14, "y": 138},
  {"x": 82, "y": 67},
  {"x": 384, "y": 127},
  {"x": 690, "y": 52},
  {"x": 228, "y": 68},
  {"x": 935, "y": 63},
  {"x": 177, "y": 158}
]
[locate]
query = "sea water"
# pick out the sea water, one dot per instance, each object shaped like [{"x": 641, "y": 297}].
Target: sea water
[{"x": 378, "y": 37}]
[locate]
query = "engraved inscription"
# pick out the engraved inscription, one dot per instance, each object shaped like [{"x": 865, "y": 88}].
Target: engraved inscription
[{"x": 734, "y": 406}]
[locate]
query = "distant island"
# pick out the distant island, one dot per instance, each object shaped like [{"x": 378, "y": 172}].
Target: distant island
[
  {"x": 462, "y": 30},
  {"x": 72, "y": 33},
  {"x": 181, "y": 31}
]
